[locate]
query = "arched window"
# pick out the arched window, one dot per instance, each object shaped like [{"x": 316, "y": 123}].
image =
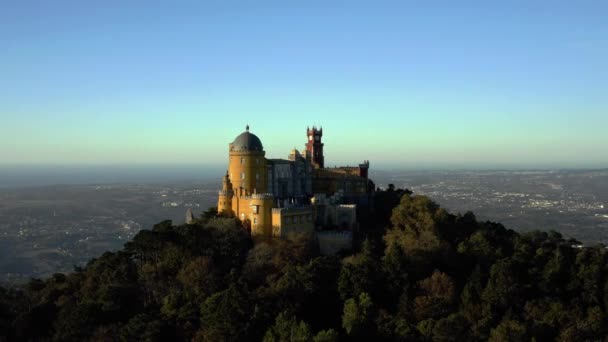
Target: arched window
[
  {"x": 242, "y": 160},
  {"x": 242, "y": 175}
]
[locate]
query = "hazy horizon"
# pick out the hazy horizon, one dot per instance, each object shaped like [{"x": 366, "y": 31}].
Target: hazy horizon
[{"x": 16, "y": 176}]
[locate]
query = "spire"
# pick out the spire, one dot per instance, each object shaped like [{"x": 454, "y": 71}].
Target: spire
[
  {"x": 226, "y": 184},
  {"x": 247, "y": 128}
]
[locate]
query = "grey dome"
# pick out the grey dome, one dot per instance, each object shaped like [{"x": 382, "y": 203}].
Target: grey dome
[{"x": 247, "y": 142}]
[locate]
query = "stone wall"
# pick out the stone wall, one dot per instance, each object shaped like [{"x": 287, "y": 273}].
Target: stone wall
[
  {"x": 290, "y": 221},
  {"x": 331, "y": 241}
]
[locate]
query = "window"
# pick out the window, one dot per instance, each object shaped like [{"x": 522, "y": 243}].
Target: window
[
  {"x": 242, "y": 175},
  {"x": 257, "y": 161},
  {"x": 242, "y": 160},
  {"x": 257, "y": 176},
  {"x": 255, "y": 220}
]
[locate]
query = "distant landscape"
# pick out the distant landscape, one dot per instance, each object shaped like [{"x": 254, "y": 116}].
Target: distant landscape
[
  {"x": 573, "y": 202},
  {"x": 64, "y": 221}
]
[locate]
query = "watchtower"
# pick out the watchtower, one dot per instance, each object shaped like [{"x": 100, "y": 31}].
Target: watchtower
[
  {"x": 224, "y": 202},
  {"x": 315, "y": 147}
]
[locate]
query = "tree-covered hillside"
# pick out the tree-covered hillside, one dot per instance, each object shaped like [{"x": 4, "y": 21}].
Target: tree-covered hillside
[{"x": 422, "y": 274}]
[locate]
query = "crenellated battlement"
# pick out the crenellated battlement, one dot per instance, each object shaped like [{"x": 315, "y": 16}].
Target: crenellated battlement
[
  {"x": 295, "y": 210},
  {"x": 263, "y": 196}
]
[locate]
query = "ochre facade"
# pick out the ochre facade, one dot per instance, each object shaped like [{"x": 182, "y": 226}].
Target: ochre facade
[{"x": 276, "y": 197}]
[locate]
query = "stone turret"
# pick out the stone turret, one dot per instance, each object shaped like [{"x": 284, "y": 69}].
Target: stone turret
[
  {"x": 261, "y": 213},
  {"x": 224, "y": 202},
  {"x": 364, "y": 169}
]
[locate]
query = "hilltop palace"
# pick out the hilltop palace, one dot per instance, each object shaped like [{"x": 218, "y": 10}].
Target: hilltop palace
[{"x": 279, "y": 197}]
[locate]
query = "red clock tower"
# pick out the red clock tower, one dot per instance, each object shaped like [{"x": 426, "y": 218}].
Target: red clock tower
[{"x": 314, "y": 146}]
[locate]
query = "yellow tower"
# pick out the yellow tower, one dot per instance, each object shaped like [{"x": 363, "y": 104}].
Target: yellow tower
[
  {"x": 261, "y": 214},
  {"x": 247, "y": 165},
  {"x": 244, "y": 193},
  {"x": 224, "y": 202}
]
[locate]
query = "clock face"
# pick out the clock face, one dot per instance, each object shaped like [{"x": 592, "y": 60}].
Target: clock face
[
  {"x": 310, "y": 137},
  {"x": 317, "y": 138}
]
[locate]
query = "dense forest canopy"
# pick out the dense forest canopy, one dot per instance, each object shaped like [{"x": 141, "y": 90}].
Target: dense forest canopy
[{"x": 420, "y": 273}]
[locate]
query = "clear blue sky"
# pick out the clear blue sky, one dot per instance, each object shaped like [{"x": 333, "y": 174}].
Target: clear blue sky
[{"x": 453, "y": 83}]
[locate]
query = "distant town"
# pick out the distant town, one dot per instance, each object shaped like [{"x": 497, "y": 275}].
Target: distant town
[{"x": 51, "y": 229}]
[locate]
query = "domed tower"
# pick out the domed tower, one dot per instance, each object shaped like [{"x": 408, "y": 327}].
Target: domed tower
[
  {"x": 224, "y": 202},
  {"x": 247, "y": 164}
]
